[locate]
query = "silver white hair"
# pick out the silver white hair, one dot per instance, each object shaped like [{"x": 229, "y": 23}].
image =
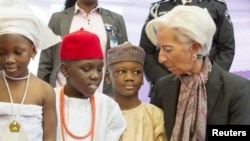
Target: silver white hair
[{"x": 191, "y": 23}]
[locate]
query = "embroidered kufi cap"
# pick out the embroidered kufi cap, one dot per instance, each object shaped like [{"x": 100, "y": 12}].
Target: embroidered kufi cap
[
  {"x": 16, "y": 17},
  {"x": 125, "y": 52},
  {"x": 81, "y": 45}
]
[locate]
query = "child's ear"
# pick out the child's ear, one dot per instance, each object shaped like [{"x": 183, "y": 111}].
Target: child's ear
[
  {"x": 107, "y": 78},
  {"x": 34, "y": 52},
  {"x": 64, "y": 70}
]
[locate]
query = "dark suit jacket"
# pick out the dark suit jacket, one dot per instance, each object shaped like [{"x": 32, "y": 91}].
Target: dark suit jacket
[
  {"x": 60, "y": 22},
  {"x": 228, "y": 98}
]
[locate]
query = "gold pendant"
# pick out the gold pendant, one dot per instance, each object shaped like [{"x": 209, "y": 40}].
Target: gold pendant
[{"x": 14, "y": 127}]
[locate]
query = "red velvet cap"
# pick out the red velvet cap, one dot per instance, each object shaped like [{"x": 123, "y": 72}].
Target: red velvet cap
[{"x": 81, "y": 45}]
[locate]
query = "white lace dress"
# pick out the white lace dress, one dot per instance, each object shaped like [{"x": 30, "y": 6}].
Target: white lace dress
[{"x": 30, "y": 119}]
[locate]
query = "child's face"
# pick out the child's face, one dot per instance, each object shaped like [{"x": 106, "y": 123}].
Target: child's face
[
  {"x": 84, "y": 76},
  {"x": 126, "y": 78},
  {"x": 15, "y": 54}
]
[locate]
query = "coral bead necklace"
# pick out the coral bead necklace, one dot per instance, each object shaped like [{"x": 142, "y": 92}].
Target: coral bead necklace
[{"x": 64, "y": 126}]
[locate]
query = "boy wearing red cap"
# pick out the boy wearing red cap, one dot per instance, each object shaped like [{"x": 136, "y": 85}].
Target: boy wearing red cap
[
  {"x": 85, "y": 114},
  {"x": 145, "y": 121}
]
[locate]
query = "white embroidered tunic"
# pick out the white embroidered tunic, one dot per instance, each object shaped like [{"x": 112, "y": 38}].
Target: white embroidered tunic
[{"x": 109, "y": 121}]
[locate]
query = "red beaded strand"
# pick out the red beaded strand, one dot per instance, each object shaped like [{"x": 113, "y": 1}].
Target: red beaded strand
[{"x": 63, "y": 121}]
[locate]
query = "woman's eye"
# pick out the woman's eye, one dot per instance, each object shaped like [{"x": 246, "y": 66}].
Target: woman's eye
[{"x": 167, "y": 50}]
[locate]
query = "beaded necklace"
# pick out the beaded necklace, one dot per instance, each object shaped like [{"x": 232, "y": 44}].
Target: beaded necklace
[
  {"x": 16, "y": 78},
  {"x": 63, "y": 121},
  {"x": 15, "y": 126}
]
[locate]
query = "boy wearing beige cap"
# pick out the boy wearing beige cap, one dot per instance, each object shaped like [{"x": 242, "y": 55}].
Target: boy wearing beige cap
[
  {"x": 85, "y": 114},
  {"x": 125, "y": 71},
  {"x": 28, "y": 110}
]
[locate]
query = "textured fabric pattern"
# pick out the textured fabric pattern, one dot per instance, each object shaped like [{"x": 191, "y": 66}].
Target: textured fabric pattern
[
  {"x": 144, "y": 123},
  {"x": 191, "y": 118},
  {"x": 125, "y": 52},
  {"x": 81, "y": 44},
  {"x": 17, "y": 18},
  {"x": 109, "y": 122},
  {"x": 30, "y": 118}
]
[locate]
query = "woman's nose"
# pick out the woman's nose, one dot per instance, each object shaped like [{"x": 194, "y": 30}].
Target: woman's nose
[{"x": 162, "y": 57}]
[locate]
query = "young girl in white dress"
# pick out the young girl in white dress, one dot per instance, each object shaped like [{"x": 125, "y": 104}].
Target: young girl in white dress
[{"x": 27, "y": 104}]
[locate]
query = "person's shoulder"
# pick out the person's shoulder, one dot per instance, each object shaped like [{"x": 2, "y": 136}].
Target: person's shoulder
[
  {"x": 41, "y": 88},
  {"x": 65, "y": 11},
  {"x": 159, "y": 8},
  {"x": 153, "y": 110},
  {"x": 42, "y": 85},
  {"x": 232, "y": 77},
  {"x": 56, "y": 15},
  {"x": 172, "y": 80},
  {"x": 228, "y": 77},
  {"x": 219, "y": 3},
  {"x": 157, "y": 4},
  {"x": 103, "y": 97},
  {"x": 160, "y": 3},
  {"x": 169, "y": 77},
  {"x": 218, "y": 10},
  {"x": 152, "y": 107},
  {"x": 233, "y": 83},
  {"x": 104, "y": 10},
  {"x": 105, "y": 102}
]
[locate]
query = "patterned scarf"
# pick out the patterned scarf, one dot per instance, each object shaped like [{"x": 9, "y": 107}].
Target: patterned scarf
[{"x": 191, "y": 118}]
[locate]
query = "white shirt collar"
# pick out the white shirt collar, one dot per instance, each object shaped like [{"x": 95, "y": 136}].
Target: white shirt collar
[{"x": 77, "y": 8}]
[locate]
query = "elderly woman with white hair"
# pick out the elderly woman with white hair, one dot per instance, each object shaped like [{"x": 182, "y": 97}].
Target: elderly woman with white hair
[{"x": 198, "y": 92}]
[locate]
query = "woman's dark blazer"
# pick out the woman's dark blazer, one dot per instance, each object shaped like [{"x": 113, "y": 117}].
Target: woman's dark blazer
[{"x": 228, "y": 98}]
